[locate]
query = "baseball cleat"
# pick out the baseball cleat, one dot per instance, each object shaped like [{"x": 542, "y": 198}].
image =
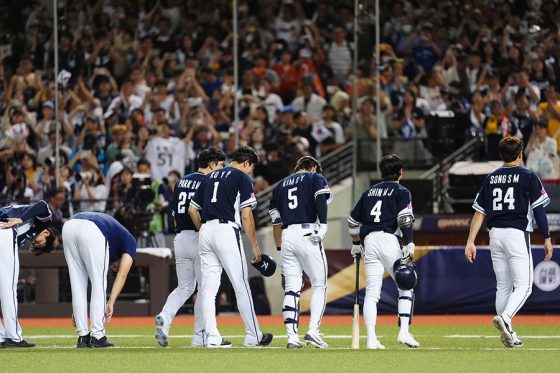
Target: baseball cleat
[
  {"x": 161, "y": 335},
  {"x": 516, "y": 341},
  {"x": 265, "y": 340},
  {"x": 100, "y": 343},
  {"x": 10, "y": 343},
  {"x": 505, "y": 332},
  {"x": 407, "y": 339},
  {"x": 294, "y": 343},
  {"x": 198, "y": 340},
  {"x": 315, "y": 340},
  {"x": 223, "y": 344},
  {"x": 375, "y": 345},
  {"x": 83, "y": 341},
  {"x": 2, "y": 344}
]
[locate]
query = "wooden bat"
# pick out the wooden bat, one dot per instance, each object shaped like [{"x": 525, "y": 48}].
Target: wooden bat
[{"x": 356, "y": 319}]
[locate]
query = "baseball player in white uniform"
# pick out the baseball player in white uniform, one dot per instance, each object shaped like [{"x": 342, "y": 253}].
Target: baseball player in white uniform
[
  {"x": 18, "y": 224},
  {"x": 510, "y": 198},
  {"x": 93, "y": 244},
  {"x": 298, "y": 210},
  {"x": 220, "y": 197},
  {"x": 187, "y": 259}
]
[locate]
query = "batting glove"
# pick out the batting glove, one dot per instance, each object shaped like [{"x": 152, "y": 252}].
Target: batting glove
[
  {"x": 408, "y": 250},
  {"x": 357, "y": 250},
  {"x": 319, "y": 235}
]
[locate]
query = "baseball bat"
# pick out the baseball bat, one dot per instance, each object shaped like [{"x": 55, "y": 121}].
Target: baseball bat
[{"x": 356, "y": 319}]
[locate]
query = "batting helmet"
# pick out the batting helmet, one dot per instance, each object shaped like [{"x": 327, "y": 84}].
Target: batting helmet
[
  {"x": 405, "y": 274},
  {"x": 267, "y": 265}
]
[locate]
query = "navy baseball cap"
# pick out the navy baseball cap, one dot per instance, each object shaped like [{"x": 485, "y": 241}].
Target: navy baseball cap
[{"x": 267, "y": 265}]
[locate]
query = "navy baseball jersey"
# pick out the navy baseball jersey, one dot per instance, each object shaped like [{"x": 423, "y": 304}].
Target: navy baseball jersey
[
  {"x": 223, "y": 193},
  {"x": 119, "y": 239},
  {"x": 36, "y": 217},
  {"x": 508, "y": 196},
  {"x": 185, "y": 190},
  {"x": 294, "y": 198},
  {"x": 379, "y": 207}
]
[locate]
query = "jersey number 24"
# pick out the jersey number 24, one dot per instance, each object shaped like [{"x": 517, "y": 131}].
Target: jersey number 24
[{"x": 500, "y": 198}]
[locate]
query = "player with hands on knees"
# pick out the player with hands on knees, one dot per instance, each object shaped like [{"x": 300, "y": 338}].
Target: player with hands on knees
[
  {"x": 509, "y": 199},
  {"x": 380, "y": 219},
  {"x": 298, "y": 209}
]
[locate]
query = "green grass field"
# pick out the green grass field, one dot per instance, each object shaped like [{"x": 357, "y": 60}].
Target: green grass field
[{"x": 443, "y": 349}]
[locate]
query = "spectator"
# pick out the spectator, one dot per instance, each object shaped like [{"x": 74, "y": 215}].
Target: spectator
[
  {"x": 310, "y": 102},
  {"x": 167, "y": 152},
  {"x": 542, "y": 155},
  {"x": 550, "y": 111},
  {"x": 339, "y": 55},
  {"x": 328, "y": 133},
  {"x": 56, "y": 199}
]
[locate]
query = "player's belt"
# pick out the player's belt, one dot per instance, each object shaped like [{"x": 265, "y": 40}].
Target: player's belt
[
  {"x": 223, "y": 221},
  {"x": 303, "y": 226}
]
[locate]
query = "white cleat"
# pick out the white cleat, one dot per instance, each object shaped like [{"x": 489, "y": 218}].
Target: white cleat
[
  {"x": 197, "y": 340},
  {"x": 407, "y": 339},
  {"x": 162, "y": 330},
  {"x": 315, "y": 340},
  {"x": 375, "y": 345},
  {"x": 223, "y": 344},
  {"x": 516, "y": 341},
  {"x": 505, "y": 333}
]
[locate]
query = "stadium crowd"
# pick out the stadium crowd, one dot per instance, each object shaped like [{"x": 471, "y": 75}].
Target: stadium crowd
[{"x": 145, "y": 85}]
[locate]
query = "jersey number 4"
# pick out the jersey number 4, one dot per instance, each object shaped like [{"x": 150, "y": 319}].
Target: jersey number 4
[
  {"x": 183, "y": 198},
  {"x": 376, "y": 212},
  {"x": 499, "y": 197}
]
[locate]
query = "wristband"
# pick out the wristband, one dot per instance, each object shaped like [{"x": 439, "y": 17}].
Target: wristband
[
  {"x": 278, "y": 248},
  {"x": 356, "y": 242}
]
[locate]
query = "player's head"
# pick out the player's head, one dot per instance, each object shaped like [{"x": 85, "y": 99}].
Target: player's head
[
  {"x": 308, "y": 163},
  {"x": 211, "y": 158},
  {"x": 45, "y": 242},
  {"x": 245, "y": 159},
  {"x": 391, "y": 167},
  {"x": 510, "y": 149}
]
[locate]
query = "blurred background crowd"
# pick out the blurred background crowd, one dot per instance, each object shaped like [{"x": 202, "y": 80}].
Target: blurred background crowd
[{"x": 145, "y": 85}]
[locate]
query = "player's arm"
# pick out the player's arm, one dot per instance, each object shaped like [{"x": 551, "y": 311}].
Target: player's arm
[
  {"x": 276, "y": 219},
  {"x": 277, "y": 232},
  {"x": 354, "y": 225},
  {"x": 194, "y": 213},
  {"x": 539, "y": 200},
  {"x": 405, "y": 222},
  {"x": 120, "y": 279},
  {"x": 249, "y": 225},
  {"x": 195, "y": 206},
  {"x": 476, "y": 223}
]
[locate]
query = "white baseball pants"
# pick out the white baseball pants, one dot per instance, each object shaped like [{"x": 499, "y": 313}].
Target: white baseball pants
[
  {"x": 513, "y": 265},
  {"x": 221, "y": 247},
  {"x": 300, "y": 255},
  {"x": 87, "y": 253},
  {"x": 9, "y": 273},
  {"x": 187, "y": 266},
  {"x": 381, "y": 251}
]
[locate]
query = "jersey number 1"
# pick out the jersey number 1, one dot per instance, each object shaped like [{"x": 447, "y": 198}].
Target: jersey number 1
[
  {"x": 215, "y": 193},
  {"x": 508, "y": 198},
  {"x": 376, "y": 212}
]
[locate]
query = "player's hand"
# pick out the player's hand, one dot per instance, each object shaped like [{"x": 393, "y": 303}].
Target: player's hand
[
  {"x": 11, "y": 222},
  {"x": 319, "y": 235},
  {"x": 108, "y": 312},
  {"x": 548, "y": 250},
  {"x": 357, "y": 250},
  {"x": 470, "y": 252},
  {"x": 257, "y": 253},
  {"x": 408, "y": 250}
]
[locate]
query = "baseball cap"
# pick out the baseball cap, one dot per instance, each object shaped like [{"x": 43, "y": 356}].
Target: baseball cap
[
  {"x": 48, "y": 104},
  {"x": 267, "y": 265}
]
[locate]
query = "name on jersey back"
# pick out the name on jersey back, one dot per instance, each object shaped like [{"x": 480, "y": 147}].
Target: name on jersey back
[
  {"x": 219, "y": 174},
  {"x": 189, "y": 184},
  {"x": 380, "y": 192},
  {"x": 504, "y": 179},
  {"x": 293, "y": 180}
]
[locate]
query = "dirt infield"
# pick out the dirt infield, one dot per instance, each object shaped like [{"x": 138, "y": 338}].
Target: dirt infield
[{"x": 235, "y": 320}]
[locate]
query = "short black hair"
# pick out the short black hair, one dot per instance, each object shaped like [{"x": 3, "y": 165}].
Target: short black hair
[
  {"x": 306, "y": 163},
  {"x": 49, "y": 242},
  {"x": 390, "y": 167},
  {"x": 245, "y": 153},
  {"x": 143, "y": 161},
  {"x": 510, "y": 147},
  {"x": 210, "y": 155}
]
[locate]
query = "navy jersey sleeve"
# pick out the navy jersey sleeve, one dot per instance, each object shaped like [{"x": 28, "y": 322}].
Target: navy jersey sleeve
[
  {"x": 129, "y": 245},
  {"x": 404, "y": 203},
  {"x": 273, "y": 209},
  {"x": 355, "y": 217},
  {"x": 175, "y": 199},
  {"x": 480, "y": 201},
  {"x": 320, "y": 186},
  {"x": 39, "y": 210},
  {"x": 246, "y": 194},
  {"x": 198, "y": 199},
  {"x": 537, "y": 194}
]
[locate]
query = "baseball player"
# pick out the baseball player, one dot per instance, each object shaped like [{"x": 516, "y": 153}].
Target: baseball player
[
  {"x": 223, "y": 196},
  {"x": 18, "y": 225},
  {"x": 186, "y": 248},
  {"x": 298, "y": 210},
  {"x": 510, "y": 198},
  {"x": 380, "y": 219},
  {"x": 93, "y": 244}
]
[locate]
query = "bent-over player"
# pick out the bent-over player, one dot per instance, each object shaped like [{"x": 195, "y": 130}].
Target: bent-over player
[
  {"x": 381, "y": 217},
  {"x": 509, "y": 198},
  {"x": 18, "y": 225},
  {"x": 298, "y": 210},
  {"x": 187, "y": 259},
  {"x": 220, "y": 197},
  {"x": 94, "y": 243}
]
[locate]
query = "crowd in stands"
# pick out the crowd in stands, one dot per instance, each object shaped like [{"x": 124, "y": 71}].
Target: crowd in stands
[{"x": 145, "y": 85}]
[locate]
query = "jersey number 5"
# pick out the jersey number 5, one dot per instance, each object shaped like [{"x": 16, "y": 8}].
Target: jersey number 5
[
  {"x": 376, "y": 212},
  {"x": 293, "y": 203},
  {"x": 181, "y": 206},
  {"x": 508, "y": 198}
]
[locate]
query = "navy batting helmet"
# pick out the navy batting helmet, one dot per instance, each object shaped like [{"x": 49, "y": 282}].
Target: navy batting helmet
[
  {"x": 267, "y": 265},
  {"x": 405, "y": 274}
]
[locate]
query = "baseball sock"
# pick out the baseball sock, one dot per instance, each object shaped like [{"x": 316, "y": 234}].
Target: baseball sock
[
  {"x": 290, "y": 311},
  {"x": 370, "y": 317},
  {"x": 405, "y": 309}
]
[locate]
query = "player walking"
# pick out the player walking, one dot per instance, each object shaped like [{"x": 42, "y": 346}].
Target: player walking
[
  {"x": 187, "y": 258},
  {"x": 18, "y": 225},
  {"x": 93, "y": 243},
  {"x": 381, "y": 217},
  {"x": 220, "y": 197},
  {"x": 509, "y": 198},
  {"x": 298, "y": 210}
]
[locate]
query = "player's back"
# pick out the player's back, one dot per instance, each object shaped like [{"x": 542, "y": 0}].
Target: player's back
[
  {"x": 185, "y": 189},
  {"x": 294, "y": 197},
  {"x": 508, "y": 196}
]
